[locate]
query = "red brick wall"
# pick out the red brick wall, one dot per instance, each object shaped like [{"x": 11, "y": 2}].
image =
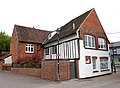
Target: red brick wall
[
  {"x": 23, "y": 55},
  {"x": 13, "y": 46},
  {"x": 93, "y": 27},
  {"x": 17, "y": 49},
  {"x": 27, "y": 71},
  {"x": 1, "y": 62},
  {"x": 49, "y": 70}
]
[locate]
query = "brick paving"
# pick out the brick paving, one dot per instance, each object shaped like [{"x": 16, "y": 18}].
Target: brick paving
[{"x": 10, "y": 80}]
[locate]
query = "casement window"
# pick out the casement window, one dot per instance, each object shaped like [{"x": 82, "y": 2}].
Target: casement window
[
  {"x": 54, "y": 50},
  {"x": 89, "y": 41},
  {"x": 94, "y": 59},
  {"x": 103, "y": 63},
  {"x": 29, "y": 48},
  {"x": 101, "y": 43},
  {"x": 47, "y": 51},
  {"x": 87, "y": 59}
]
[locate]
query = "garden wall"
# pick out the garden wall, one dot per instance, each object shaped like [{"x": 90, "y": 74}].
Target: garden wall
[
  {"x": 27, "y": 71},
  {"x": 48, "y": 70}
]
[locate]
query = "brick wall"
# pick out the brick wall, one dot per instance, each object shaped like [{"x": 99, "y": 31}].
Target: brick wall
[
  {"x": 23, "y": 55},
  {"x": 1, "y": 62},
  {"x": 27, "y": 71},
  {"x": 93, "y": 27},
  {"x": 17, "y": 49},
  {"x": 13, "y": 46},
  {"x": 49, "y": 70}
]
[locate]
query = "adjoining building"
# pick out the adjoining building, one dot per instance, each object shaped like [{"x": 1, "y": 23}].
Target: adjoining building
[
  {"x": 83, "y": 42},
  {"x": 115, "y": 53}
]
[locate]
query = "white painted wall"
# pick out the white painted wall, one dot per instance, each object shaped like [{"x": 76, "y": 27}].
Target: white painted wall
[
  {"x": 86, "y": 70},
  {"x": 8, "y": 60},
  {"x": 70, "y": 53}
]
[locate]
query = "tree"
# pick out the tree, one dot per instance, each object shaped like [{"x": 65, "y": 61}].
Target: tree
[{"x": 4, "y": 42}]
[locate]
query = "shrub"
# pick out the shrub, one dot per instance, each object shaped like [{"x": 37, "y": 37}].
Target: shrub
[{"x": 35, "y": 62}]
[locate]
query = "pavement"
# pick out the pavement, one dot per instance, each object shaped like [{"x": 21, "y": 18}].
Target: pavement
[{"x": 11, "y": 80}]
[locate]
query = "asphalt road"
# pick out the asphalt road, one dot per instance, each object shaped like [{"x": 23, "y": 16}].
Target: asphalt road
[{"x": 11, "y": 80}]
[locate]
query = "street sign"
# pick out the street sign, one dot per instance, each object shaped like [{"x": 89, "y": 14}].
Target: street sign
[{"x": 58, "y": 55}]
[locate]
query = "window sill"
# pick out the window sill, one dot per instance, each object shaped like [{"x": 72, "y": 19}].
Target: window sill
[
  {"x": 29, "y": 52},
  {"x": 95, "y": 71},
  {"x": 102, "y": 49},
  {"x": 105, "y": 70},
  {"x": 89, "y": 47}
]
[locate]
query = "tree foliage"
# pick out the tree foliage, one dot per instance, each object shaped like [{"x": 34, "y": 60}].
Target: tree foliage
[{"x": 4, "y": 42}]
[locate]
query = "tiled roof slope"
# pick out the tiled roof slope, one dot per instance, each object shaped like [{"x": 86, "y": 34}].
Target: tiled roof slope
[
  {"x": 67, "y": 29},
  {"x": 5, "y": 55},
  {"x": 27, "y": 34}
]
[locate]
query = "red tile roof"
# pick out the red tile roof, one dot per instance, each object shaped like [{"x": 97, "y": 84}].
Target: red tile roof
[
  {"x": 33, "y": 35},
  {"x": 67, "y": 29},
  {"x": 5, "y": 55}
]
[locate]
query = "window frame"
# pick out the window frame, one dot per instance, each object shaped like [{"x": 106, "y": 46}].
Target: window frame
[
  {"x": 105, "y": 61},
  {"x": 102, "y": 42},
  {"x": 54, "y": 49},
  {"x": 94, "y": 58},
  {"x": 29, "y": 48},
  {"x": 87, "y": 59},
  {"x": 47, "y": 51},
  {"x": 89, "y": 41}
]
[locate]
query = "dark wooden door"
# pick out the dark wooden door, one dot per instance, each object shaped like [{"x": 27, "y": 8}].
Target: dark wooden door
[{"x": 72, "y": 70}]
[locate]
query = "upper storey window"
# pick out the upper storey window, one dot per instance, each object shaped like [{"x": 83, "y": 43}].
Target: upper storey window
[
  {"x": 101, "y": 43},
  {"x": 89, "y": 41}
]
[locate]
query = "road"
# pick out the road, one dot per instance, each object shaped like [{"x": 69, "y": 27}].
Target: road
[{"x": 11, "y": 80}]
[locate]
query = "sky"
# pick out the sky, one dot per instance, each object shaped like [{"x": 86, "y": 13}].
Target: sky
[{"x": 52, "y": 14}]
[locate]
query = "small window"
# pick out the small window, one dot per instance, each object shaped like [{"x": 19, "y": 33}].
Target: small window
[
  {"x": 89, "y": 41},
  {"x": 103, "y": 63},
  {"x": 54, "y": 50},
  {"x": 94, "y": 59},
  {"x": 101, "y": 43},
  {"x": 47, "y": 51},
  {"x": 29, "y": 48},
  {"x": 87, "y": 59}
]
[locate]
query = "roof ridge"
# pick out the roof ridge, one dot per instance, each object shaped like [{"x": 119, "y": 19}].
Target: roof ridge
[
  {"x": 31, "y": 28},
  {"x": 66, "y": 29},
  {"x": 79, "y": 16}
]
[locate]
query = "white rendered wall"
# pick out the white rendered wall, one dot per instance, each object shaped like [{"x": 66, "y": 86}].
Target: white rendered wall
[
  {"x": 8, "y": 60},
  {"x": 70, "y": 53},
  {"x": 86, "y": 70}
]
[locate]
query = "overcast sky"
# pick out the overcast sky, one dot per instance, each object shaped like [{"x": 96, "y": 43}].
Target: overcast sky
[{"x": 52, "y": 14}]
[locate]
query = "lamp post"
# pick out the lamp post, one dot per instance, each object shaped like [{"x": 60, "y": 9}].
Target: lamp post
[{"x": 58, "y": 32}]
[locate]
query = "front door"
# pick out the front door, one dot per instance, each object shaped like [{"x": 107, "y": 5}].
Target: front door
[{"x": 72, "y": 70}]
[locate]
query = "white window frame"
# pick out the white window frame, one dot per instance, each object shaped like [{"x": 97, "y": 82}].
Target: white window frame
[
  {"x": 103, "y": 63},
  {"x": 101, "y": 43},
  {"x": 54, "y": 49},
  {"x": 89, "y": 41},
  {"x": 94, "y": 63},
  {"x": 29, "y": 48},
  {"x": 47, "y": 51}
]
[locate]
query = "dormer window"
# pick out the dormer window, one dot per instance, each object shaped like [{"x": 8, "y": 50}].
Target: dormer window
[
  {"x": 73, "y": 25},
  {"x": 89, "y": 41},
  {"x": 49, "y": 36},
  {"x": 101, "y": 43}
]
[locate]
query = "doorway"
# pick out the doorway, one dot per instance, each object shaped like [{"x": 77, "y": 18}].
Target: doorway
[{"x": 72, "y": 70}]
